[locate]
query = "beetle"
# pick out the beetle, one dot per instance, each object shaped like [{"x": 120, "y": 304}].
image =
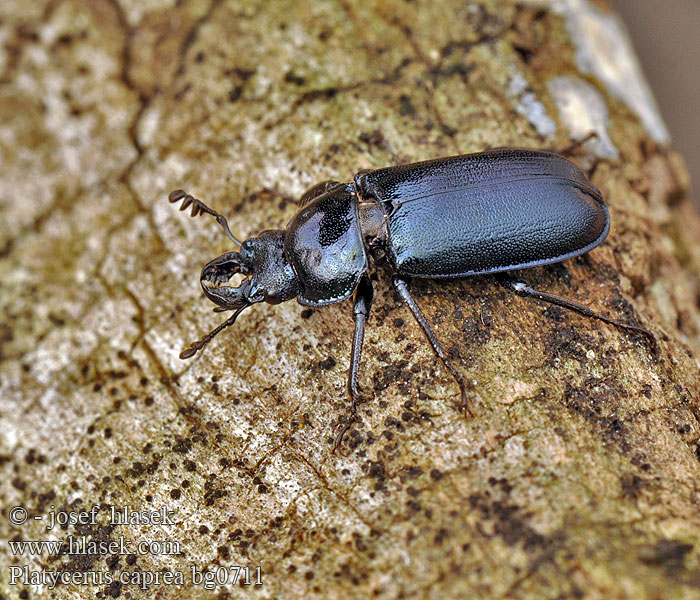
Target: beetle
[{"x": 485, "y": 213}]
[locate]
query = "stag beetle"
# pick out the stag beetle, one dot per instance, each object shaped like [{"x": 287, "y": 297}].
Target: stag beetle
[{"x": 489, "y": 212}]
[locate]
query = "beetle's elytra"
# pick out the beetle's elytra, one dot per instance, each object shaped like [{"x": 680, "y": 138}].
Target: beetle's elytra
[{"x": 490, "y": 212}]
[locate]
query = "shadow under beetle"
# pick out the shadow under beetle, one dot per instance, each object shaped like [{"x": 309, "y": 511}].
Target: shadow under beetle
[{"x": 474, "y": 214}]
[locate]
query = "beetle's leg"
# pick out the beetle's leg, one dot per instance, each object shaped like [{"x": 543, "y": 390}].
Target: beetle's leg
[
  {"x": 402, "y": 288},
  {"x": 576, "y": 144},
  {"x": 363, "y": 303},
  {"x": 377, "y": 138},
  {"x": 523, "y": 289},
  {"x": 572, "y": 149},
  {"x": 281, "y": 195},
  {"x": 199, "y": 208},
  {"x": 308, "y": 196}
]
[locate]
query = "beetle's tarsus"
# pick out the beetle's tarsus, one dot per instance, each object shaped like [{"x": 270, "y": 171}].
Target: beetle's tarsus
[
  {"x": 465, "y": 404},
  {"x": 341, "y": 434},
  {"x": 199, "y": 208}
]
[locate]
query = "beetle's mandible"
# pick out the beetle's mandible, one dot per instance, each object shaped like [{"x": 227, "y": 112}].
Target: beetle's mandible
[{"x": 490, "y": 212}]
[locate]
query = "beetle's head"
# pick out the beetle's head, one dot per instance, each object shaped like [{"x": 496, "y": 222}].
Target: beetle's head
[{"x": 268, "y": 278}]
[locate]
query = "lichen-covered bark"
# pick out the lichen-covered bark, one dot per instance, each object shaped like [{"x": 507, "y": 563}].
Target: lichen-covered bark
[{"x": 578, "y": 474}]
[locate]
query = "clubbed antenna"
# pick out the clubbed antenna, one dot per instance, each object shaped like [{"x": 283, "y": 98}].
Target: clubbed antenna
[
  {"x": 199, "y": 208},
  {"x": 195, "y": 347}
]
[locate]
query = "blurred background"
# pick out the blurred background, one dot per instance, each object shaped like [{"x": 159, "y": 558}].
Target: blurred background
[{"x": 666, "y": 36}]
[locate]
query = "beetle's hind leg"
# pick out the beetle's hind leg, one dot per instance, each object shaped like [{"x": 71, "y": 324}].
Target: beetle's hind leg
[
  {"x": 363, "y": 303},
  {"x": 402, "y": 288},
  {"x": 523, "y": 289}
]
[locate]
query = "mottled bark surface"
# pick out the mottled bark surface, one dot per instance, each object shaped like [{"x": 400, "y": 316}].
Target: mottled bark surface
[{"x": 578, "y": 475}]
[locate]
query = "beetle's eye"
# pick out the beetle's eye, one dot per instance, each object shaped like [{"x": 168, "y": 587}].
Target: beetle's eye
[{"x": 247, "y": 250}]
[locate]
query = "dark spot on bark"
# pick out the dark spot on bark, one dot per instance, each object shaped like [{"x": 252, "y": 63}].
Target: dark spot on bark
[
  {"x": 413, "y": 507},
  {"x": 182, "y": 445},
  {"x": 327, "y": 364},
  {"x": 377, "y": 470},
  {"x": 395, "y": 371},
  {"x": 410, "y": 473},
  {"x": 406, "y": 108},
  {"x": 441, "y": 535},
  {"x": 668, "y": 553},
  {"x": 137, "y": 469},
  {"x": 508, "y": 523},
  {"x": 502, "y": 483},
  {"x": 114, "y": 589},
  {"x": 526, "y": 54},
  {"x": 632, "y": 485},
  {"x": 235, "y": 93},
  {"x": 291, "y": 77}
]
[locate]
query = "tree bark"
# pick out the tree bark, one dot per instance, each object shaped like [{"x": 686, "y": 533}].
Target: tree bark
[{"x": 577, "y": 475}]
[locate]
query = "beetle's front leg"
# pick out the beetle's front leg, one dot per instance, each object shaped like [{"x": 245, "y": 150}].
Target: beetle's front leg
[
  {"x": 363, "y": 303},
  {"x": 523, "y": 289},
  {"x": 308, "y": 196},
  {"x": 402, "y": 288}
]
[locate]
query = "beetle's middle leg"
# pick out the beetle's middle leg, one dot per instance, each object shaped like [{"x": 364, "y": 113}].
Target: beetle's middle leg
[
  {"x": 363, "y": 303},
  {"x": 523, "y": 289},
  {"x": 402, "y": 288}
]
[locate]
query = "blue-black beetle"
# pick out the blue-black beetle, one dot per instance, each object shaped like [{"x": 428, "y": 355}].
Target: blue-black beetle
[{"x": 489, "y": 212}]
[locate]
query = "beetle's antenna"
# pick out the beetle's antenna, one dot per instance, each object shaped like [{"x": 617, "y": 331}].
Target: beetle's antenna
[
  {"x": 195, "y": 347},
  {"x": 199, "y": 208}
]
